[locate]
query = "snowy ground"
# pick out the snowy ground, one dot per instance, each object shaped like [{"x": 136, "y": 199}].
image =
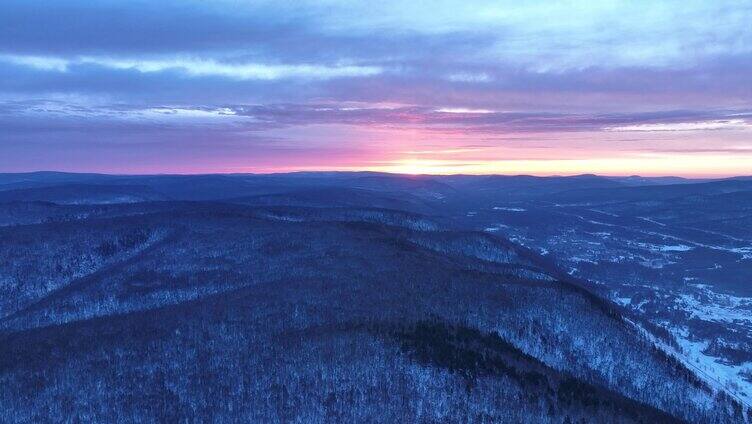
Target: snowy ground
[
  {"x": 720, "y": 377},
  {"x": 713, "y": 371}
]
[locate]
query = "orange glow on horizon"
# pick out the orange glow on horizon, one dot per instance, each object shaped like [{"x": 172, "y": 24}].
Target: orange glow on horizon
[
  {"x": 716, "y": 165},
  {"x": 421, "y": 151}
]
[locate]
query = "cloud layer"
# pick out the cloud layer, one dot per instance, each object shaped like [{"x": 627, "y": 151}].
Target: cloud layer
[{"x": 193, "y": 86}]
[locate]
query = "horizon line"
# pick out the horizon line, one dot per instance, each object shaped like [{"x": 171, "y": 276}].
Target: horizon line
[{"x": 367, "y": 171}]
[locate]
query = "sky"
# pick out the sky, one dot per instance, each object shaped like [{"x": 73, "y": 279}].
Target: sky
[{"x": 506, "y": 87}]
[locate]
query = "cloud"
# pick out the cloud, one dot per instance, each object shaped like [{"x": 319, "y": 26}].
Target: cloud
[
  {"x": 483, "y": 121},
  {"x": 470, "y": 77},
  {"x": 552, "y": 37},
  {"x": 198, "y": 67},
  {"x": 724, "y": 124},
  {"x": 37, "y": 62},
  {"x": 463, "y": 110},
  {"x": 441, "y": 120}
]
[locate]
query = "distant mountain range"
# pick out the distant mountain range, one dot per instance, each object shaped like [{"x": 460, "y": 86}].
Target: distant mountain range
[{"x": 223, "y": 186}]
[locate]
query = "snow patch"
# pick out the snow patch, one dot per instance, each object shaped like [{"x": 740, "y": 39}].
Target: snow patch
[
  {"x": 623, "y": 301},
  {"x": 720, "y": 377},
  {"x": 499, "y": 208}
]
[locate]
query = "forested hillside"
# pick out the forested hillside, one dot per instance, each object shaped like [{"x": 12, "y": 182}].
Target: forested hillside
[{"x": 221, "y": 311}]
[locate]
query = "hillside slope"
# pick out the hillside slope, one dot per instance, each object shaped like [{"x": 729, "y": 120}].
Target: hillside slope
[{"x": 226, "y": 312}]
